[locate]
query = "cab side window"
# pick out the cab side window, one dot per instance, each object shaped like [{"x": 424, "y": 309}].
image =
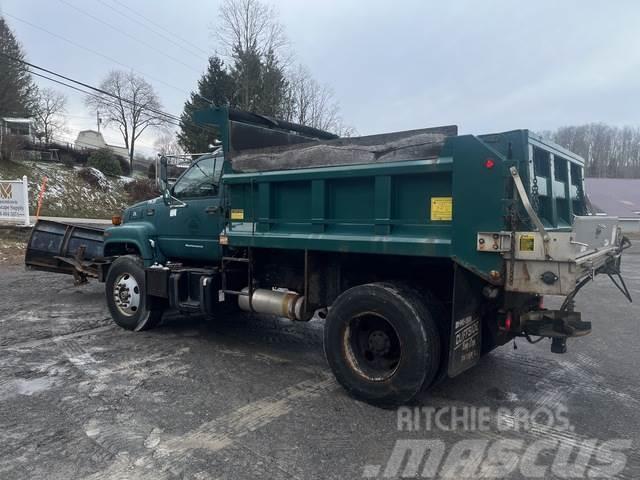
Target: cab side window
[{"x": 201, "y": 180}]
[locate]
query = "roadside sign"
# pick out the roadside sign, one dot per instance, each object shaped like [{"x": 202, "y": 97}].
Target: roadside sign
[{"x": 14, "y": 200}]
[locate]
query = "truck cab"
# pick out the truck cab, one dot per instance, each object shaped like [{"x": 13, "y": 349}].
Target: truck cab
[{"x": 183, "y": 225}]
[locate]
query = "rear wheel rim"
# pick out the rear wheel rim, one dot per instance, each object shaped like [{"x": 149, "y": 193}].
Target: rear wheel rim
[
  {"x": 372, "y": 346},
  {"x": 126, "y": 294}
]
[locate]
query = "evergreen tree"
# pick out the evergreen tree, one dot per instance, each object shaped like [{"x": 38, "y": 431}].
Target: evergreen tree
[
  {"x": 17, "y": 90},
  {"x": 256, "y": 79},
  {"x": 245, "y": 73},
  {"x": 259, "y": 82},
  {"x": 273, "y": 87},
  {"x": 215, "y": 85}
]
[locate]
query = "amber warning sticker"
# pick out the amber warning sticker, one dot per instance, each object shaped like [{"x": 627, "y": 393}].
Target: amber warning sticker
[
  {"x": 441, "y": 208},
  {"x": 237, "y": 214},
  {"x": 527, "y": 243}
]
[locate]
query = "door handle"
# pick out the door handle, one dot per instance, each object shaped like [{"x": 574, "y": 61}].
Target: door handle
[{"x": 211, "y": 210}]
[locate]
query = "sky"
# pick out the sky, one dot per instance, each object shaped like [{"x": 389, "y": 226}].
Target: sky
[{"x": 487, "y": 66}]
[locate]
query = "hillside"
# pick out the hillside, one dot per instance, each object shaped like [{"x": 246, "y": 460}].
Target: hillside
[{"x": 67, "y": 194}]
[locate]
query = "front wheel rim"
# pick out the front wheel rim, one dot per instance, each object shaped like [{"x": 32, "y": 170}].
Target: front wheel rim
[
  {"x": 126, "y": 294},
  {"x": 372, "y": 346}
]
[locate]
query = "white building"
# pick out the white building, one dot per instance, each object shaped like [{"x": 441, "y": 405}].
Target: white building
[
  {"x": 18, "y": 126},
  {"x": 94, "y": 140}
]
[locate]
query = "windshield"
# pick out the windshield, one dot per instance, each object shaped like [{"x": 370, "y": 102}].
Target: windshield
[{"x": 200, "y": 180}]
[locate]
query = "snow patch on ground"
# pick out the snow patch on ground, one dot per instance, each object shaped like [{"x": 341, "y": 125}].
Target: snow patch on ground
[{"x": 68, "y": 195}]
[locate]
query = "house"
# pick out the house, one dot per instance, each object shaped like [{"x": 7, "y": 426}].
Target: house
[
  {"x": 619, "y": 197},
  {"x": 94, "y": 140},
  {"x": 18, "y": 126}
]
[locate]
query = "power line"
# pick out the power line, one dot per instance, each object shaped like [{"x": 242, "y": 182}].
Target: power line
[
  {"x": 133, "y": 37},
  {"x": 86, "y": 85},
  {"x": 144, "y": 144},
  {"x": 71, "y": 140},
  {"x": 95, "y": 52},
  {"x": 187, "y": 42},
  {"x": 159, "y": 33},
  {"x": 174, "y": 124},
  {"x": 169, "y": 118}
]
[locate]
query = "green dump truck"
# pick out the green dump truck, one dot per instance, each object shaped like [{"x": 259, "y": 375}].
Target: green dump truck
[{"x": 421, "y": 250}]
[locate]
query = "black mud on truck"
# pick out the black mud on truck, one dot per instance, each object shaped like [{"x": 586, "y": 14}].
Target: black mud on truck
[{"x": 421, "y": 250}]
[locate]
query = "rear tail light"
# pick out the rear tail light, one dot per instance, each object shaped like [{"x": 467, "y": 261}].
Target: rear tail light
[{"x": 507, "y": 321}]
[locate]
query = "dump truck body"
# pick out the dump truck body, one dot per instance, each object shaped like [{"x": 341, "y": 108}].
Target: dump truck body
[
  {"x": 451, "y": 206},
  {"x": 422, "y": 249}
]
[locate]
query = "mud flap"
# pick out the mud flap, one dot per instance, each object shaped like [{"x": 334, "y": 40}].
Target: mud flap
[{"x": 465, "y": 341}]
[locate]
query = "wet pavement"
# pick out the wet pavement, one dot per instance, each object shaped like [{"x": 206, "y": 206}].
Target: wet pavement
[{"x": 252, "y": 397}]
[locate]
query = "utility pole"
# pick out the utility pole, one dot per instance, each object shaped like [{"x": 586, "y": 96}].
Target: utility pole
[{"x": 98, "y": 120}]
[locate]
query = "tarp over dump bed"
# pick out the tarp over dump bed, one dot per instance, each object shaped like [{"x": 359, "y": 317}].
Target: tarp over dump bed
[{"x": 389, "y": 147}]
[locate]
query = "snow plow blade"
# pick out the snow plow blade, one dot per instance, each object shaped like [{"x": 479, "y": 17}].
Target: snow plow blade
[{"x": 66, "y": 248}]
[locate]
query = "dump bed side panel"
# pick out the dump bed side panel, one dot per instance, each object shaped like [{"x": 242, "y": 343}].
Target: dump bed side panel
[
  {"x": 400, "y": 208},
  {"x": 431, "y": 208}
]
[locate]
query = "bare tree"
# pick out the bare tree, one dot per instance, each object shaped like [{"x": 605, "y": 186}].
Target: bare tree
[
  {"x": 309, "y": 103},
  {"x": 251, "y": 34},
  {"x": 250, "y": 26},
  {"x": 132, "y": 106},
  {"x": 167, "y": 144},
  {"x": 49, "y": 108},
  {"x": 609, "y": 151}
]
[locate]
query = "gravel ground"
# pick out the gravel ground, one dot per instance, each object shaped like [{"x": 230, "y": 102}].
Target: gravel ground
[
  {"x": 249, "y": 397},
  {"x": 11, "y": 252}
]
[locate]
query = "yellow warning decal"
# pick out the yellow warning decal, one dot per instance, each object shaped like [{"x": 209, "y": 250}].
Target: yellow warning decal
[
  {"x": 237, "y": 214},
  {"x": 527, "y": 243},
  {"x": 441, "y": 208}
]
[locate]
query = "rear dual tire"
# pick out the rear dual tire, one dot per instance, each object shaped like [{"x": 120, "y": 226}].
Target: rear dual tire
[{"x": 382, "y": 342}]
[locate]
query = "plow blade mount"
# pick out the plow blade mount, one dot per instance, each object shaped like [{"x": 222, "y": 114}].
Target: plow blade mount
[{"x": 66, "y": 248}]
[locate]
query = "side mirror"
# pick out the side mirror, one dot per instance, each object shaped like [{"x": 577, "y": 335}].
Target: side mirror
[
  {"x": 164, "y": 183},
  {"x": 163, "y": 171}
]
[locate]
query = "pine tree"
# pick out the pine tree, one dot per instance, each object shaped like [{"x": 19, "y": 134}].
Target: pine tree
[
  {"x": 246, "y": 72},
  {"x": 273, "y": 87},
  {"x": 253, "y": 83},
  {"x": 259, "y": 82},
  {"x": 17, "y": 90},
  {"x": 215, "y": 85}
]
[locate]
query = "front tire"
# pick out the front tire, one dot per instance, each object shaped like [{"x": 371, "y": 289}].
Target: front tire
[
  {"x": 126, "y": 299},
  {"x": 382, "y": 343}
]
